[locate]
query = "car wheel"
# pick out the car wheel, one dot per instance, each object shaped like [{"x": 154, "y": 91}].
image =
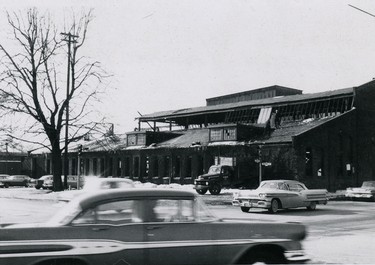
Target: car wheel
[
  {"x": 215, "y": 189},
  {"x": 312, "y": 206},
  {"x": 270, "y": 257},
  {"x": 202, "y": 191},
  {"x": 37, "y": 187},
  {"x": 245, "y": 209},
  {"x": 6, "y": 185},
  {"x": 274, "y": 206}
]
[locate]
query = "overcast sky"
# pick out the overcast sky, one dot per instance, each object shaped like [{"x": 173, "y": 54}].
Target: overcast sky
[{"x": 174, "y": 54}]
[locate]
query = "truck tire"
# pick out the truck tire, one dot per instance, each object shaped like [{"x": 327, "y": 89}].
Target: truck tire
[
  {"x": 201, "y": 191},
  {"x": 215, "y": 189},
  {"x": 245, "y": 209}
]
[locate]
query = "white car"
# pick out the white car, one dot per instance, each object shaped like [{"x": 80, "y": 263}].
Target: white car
[
  {"x": 366, "y": 191},
  {"x": 107, "y": 183},
  {"x": 280, "y": 194}
]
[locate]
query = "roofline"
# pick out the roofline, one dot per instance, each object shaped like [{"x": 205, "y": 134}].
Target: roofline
[
  {"x": 253, "y": 103},
  {"x": 253, "y": 91}
]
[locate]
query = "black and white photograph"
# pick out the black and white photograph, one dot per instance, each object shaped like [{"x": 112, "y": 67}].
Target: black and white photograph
[{"x": 187, "y": 132}]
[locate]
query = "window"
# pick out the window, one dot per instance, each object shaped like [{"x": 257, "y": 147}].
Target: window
[
  {"x": 229, "y": 134},
  {"x": 132, "y": 139},
  {"x": 296, "y": 187},
  {"x": 141, "y": 139},
  {"x": 216, "y": 134},
  {"x": 117, "y": 212}
]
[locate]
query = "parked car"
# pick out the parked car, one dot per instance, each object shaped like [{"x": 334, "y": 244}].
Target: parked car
[
  {"x": 107, "y": 183},
  {"x": 366, "y": 191},
  {"x": 40, "y": 182},
  {"x": 3, "y": 177},
  {"x": 72, "y": 182},
  {"x": 217, "y": 177},
  {"x": 280, "y": 194},
  {"x": 148, "y": 226},
  {"x": 221, "y": 176},
  {"x": 16, "y": 180}
]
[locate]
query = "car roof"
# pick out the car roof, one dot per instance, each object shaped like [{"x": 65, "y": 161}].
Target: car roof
[
  {"x": 88, "y": 199},
  {"x": 283, "y": 180}
]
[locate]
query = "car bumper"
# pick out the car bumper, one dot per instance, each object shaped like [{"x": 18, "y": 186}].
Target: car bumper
[
  {"x": 296, "y": 256},
  {"x": 360, "y": 195},
  {"x": 201, "y": 186},
  {"x": 252, "y": 203}
]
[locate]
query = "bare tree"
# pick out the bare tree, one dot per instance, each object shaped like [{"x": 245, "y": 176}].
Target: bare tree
[{"x": 33, "y": 82}]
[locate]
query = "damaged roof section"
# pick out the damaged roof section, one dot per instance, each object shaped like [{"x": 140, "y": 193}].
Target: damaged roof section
[
  {"x": 283, "y": 134},
  {"x": 274, "y": 101}
]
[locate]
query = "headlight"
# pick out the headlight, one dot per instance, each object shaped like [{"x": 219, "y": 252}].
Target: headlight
[{"x": 262, "y": 195}]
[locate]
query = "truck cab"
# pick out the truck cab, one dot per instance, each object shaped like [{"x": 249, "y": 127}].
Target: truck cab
[{"x": 217, "y": 177}]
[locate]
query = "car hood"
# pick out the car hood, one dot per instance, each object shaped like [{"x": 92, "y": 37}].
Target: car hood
[
  {"x": 360, "y": 190},
  {"x": 209, "y": 175},
  {"x": 255, "y": 193}
]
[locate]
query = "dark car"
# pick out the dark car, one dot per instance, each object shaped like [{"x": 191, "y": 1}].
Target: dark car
[
  {"x": 16, "y": 180},
  {"x": 147, "y": 226},
  {"x": 217, "y": 177}
]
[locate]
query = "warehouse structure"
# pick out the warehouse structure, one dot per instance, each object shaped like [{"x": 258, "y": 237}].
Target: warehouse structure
[{"x": 325, "y": 140}]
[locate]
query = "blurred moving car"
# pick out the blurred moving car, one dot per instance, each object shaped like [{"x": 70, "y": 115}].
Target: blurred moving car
[
  {"x": 148, "y": 226},
  {"x": 366, "y": 191},
  {"x": 280, "y": 194},
  {"x": 3, "y": 177},
  {"x": 72, "y": 182},
  {"x": 16, "y": 180},
  {"x": 40, "y": 181},
  {"x": 107, "y": 183}
]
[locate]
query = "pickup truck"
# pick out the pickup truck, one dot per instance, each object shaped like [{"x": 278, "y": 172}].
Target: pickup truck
[{"x": 217, "y": 177}]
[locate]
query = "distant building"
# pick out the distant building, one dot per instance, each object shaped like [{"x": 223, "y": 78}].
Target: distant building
[{"x": 325, "y": 140}]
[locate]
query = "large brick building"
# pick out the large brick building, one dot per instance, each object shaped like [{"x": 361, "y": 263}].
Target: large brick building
[{"x": 325, "y": 139}]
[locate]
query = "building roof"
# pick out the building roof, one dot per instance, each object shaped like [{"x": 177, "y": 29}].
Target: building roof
[
  {"x": 284, "y": 134},
  {"x": 170, "y": 114}
]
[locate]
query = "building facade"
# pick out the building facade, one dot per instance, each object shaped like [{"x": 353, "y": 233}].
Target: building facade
[{"x": 325, "y": 140}]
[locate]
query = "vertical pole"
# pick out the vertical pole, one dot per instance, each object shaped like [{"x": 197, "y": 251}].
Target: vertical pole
[
  {"x": 260, "y": 163},
  {"x": 79, "y": 166},
  {"x": 66, "y": 165},
  {"x": 6, "y": 159}
]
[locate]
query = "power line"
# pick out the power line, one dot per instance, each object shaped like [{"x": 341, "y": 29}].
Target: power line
[{"x": 368, "y": 13}]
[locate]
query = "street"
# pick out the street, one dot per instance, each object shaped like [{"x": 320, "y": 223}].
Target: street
[{"x": 339, "y": 232}]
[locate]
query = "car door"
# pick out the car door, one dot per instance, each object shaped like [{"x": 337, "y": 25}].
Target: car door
[
  {"x": 112, "y": 221},
  {"x": 297, "y": 200},
  {"x": 176, "y": 235}
]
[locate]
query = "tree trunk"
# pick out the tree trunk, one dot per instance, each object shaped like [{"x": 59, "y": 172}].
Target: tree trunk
[{"x": 57, "y": 168}]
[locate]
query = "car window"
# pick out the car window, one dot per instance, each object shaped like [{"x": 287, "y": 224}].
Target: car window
[
  {"x": 174, "y": 210},
  {"x": 283, "y": 186},
  {"x": 296, "y": 187},
  {"x": 143, "y": 211},
  {"x": 117, "y": 212}
]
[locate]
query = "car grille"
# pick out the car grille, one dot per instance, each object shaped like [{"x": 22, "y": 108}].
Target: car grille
[{"x": 251, "y": 200}]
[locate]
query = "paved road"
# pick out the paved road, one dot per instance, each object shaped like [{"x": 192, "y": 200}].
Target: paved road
[{"x": 340, "y": 232}]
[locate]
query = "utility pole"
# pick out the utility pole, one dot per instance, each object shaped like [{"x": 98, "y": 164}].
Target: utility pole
[
  {"x": 69, "y": 38},
  {"x": 260, "y": 162}
]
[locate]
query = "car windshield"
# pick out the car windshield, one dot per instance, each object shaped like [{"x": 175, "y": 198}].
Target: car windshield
[
  {"x": 274, "y": 185},
  {"x": 368, "y": 184},
  {"x": 214, "y": 170}
]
